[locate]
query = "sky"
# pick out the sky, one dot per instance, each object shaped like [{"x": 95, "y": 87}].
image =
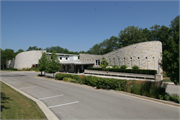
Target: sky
[{"x": 77, "y": 25}]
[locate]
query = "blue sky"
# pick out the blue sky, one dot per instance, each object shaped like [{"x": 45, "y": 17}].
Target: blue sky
[{"x": 77, "y": 25}]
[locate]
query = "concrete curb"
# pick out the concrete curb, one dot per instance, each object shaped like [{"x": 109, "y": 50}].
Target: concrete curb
[
  {"x": 124, "y": 93},
  {"x": 48, "y": 113}
]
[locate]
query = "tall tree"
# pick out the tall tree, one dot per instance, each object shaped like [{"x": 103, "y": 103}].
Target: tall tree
[
  {"x": 53, "y": 64},
  {"x": 42, "y": 63},
  {"x": 170, "y": 61},
  {"x": 131, "y": 35},
  {"x": 7, "y": 54}
]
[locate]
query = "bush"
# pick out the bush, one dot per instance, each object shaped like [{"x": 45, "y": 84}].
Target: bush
[
  {"x": 115, "y": 67},
  {"x": 135, "y": 67},
  {"x": 123, "y": 67},
  {"x": 175, "y": 97}
]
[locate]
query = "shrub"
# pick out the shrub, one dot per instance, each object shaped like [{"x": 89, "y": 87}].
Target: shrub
[
  {"x": 167, "y": 97},
  {"x": 135, "y": 67},
  {"x": 175, "y": 97},
  {"x": 123, "y": 67},
  {"x": 115, "y": 67}
]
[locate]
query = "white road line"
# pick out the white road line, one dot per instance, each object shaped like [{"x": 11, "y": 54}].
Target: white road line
[
  {"x": 50, "y": 97},
  {"x": 27, "y": 87},
  {"x": 15, "y": 82},
  {"x": 63, "y": 104}
]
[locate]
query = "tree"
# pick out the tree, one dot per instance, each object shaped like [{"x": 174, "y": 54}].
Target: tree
[
  {"x": 53, "y": 64},
  {"x": 7, "y": 54},
  {"x": 131, "y": 35},
  {"x": 170, "y": 61},
  {"x": 104, "y": 63},
  {"x": 33, "y": 48},
  {"x": 43, "y": 62},
  {"x": 19, "y": 51}
]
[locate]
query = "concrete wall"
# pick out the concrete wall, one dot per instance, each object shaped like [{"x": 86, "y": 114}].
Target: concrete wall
[
  {"x": 27, "y": 59},
  {"x": 129, "y": 55}
]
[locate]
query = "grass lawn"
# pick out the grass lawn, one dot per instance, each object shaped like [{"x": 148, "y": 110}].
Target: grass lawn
[
  {"x": 166, "y": 79},
  {"x": 16, "y": 106}
]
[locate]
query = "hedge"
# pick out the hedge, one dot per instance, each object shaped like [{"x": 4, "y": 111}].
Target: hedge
[
  {"x": 145, "y": 88},
  {"x": 141, "y": 71}
]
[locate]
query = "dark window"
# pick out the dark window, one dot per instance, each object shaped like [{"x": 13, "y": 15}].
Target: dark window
[
  {"x": 66, "y": 58},
  {"x": 131, "y": 58},
  {"x": 146, "y": 57},
  {"x": 97, "y": 62},
  {"x": 138, "y": 58},
  {"x": 124, "y": 58},
  {"x": 60, "y": 58}
]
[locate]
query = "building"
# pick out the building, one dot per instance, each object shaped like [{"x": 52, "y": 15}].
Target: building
[{"x": 145, "y": 55}]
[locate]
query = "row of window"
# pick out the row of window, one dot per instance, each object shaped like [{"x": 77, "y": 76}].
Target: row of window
[
  {"x": 131, "y": 58},
  {"x": 61, "y": 58}
]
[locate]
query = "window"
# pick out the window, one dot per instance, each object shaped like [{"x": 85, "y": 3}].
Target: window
[
  {"x": 138, "y": 58},
  {"x": 97, "y": 62},
  {"x": 60, "y": 58},
  {"x": 146, "y": 57},
  {"x": 153, "y": 57},
  {"x": 66, "y": 58},
  {"x": 130, "y": 58},
  {"x": 124, "y": 58}
]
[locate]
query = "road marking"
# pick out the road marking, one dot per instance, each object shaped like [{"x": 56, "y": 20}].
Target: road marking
[
  {"x": 27, "y": 87},
  {"x": 63, "y": 104},
  {"x": 50, "y": 97},
  {"x": 15, "y": 82}
]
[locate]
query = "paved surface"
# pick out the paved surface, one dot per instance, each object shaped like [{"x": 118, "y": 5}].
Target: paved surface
[{"x": 71, "y": 101}]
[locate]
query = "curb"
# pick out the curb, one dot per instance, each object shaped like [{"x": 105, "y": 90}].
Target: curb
[
  {"x": 48, "y": 113},
  {"x": 126, "y": 93}
]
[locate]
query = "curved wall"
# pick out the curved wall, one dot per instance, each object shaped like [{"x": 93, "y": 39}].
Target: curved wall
[
  {"x": 27, "y": 59},
  {"x": 129, "y": 55}
]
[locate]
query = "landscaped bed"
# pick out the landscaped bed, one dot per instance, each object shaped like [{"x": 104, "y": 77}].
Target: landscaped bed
[
  {"x": 145, "y": 88},
  {"x": 16, "y": 106}
]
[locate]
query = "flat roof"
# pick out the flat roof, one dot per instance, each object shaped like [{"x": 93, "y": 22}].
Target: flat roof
[{"x": 63, "y": 54}]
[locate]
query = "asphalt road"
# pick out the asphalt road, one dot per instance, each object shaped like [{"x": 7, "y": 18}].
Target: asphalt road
[{"x": 72, "y": 101}]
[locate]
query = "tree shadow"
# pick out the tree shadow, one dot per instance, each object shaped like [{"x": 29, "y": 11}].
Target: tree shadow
[{"x": 4, "y": 99}]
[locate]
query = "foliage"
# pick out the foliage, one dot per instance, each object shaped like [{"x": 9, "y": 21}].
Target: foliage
[
  {"x": 175, "y": 97},
  {"x": 33, "y": 48},
  {"x": 123, "y": 67},
  {"x": 42, "y": 63},
  {"x": 53, "y": 64},
  {"x": 104, "y": 63},
  {"x": 115, "y": 67},
  {"x": 135, "y": 67},
  {"x": 170, "y": 61},
  {"x": 131, "y": 35},
  {"x": 7, "y": 54}
]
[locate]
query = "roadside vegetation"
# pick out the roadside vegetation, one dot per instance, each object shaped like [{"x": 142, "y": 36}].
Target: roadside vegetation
[
  {"x": 146, "y": 88},
  {"x": 16, "y": 106}
]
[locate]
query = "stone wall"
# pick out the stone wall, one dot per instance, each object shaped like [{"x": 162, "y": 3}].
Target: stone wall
[
  {"x": 90, "y": 58},
  {"x": 27, "y": 59},
  {"x": 145, "y": 55}
]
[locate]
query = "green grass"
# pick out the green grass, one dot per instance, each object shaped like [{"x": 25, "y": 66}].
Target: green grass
[
  {"x": 167, "y": 80},
  {"x": 16, "y": 106}
]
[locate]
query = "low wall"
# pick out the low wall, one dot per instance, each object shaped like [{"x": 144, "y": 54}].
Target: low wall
[{"x": 119, "y": 74}]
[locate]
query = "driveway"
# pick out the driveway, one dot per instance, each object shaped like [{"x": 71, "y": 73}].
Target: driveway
[{"x": 72, "y": 101}]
